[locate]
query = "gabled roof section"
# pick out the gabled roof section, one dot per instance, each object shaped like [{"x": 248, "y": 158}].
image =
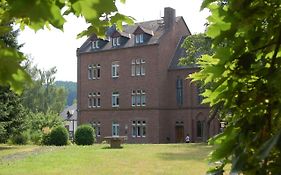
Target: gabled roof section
[
  {"x": 155, "y": 28},
  {"x": 179, "y": 53},
  {"x": 140, "y": 30},
  {"x": 118, "y": 34}
]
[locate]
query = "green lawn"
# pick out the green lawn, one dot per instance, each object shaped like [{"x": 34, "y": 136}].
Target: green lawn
[{"x": 98, "y": 160}]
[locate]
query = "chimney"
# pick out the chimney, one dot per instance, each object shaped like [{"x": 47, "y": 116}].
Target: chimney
[{"x": 169, "y": 17}]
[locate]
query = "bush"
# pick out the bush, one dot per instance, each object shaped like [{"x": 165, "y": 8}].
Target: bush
[
  {"x": 46, "y": 139},
  {"x": 59, "y": 136},
  {"x": 84, "y": 135},
  {"x": 19, "y": 139},
  {"x": 35, "y": 137}
]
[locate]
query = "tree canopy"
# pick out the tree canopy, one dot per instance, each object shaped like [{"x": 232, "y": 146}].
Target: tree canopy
[
  {"x": 244, "y": 74},
  {"x": 38, "y": 14}
]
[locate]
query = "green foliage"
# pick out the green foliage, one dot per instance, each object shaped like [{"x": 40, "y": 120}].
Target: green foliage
[
  {"x": 39, "y": 121},
  {"x": 46, "y": 139},
  {"x": 84, "y": 135},
  {"x": 71, "y": 88},
  {"x": 12, "y": 114},
  {"x": 39, "y": 14},
  {"x": 44, "y": 95},
  {"x": 243, "y": 76},
  {"x": 195, "y": 46},
  {"x": 19, "y": 138},
  {"x": 58, "y": 136}
]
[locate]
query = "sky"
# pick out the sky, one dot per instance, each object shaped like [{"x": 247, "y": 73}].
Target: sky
[{"x": 54, "y": 48}]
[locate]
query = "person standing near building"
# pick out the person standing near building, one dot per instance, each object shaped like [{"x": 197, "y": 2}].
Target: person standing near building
[{"x": 187, "y": 139}]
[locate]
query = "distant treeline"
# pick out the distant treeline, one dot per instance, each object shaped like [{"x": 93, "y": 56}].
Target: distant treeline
[{"x": 71, "y": 88}]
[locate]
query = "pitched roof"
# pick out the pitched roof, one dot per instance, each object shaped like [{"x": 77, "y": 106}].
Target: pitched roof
[
  {"x": 179, "y": 53},
  {"x": 155, "y": 26},
  {"x": 72, "y": 110}
]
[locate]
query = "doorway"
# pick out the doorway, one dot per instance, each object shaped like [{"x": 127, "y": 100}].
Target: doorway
[{"x": 179, "y": 130}]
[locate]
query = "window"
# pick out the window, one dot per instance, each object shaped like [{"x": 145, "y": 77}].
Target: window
[
  {"x": 199, "y": 97},
  {"x": 95, "y": 44},
  {"x": 179, "y": 87},
  {"x": 94, "y": 100},
  {"x": 138, "y": 98},
  {"x": 96, "y": 126},
  {"x": 115, "y": 129},
  {"x": 139, "y": 39},
  {"x": 94, "y": 71},
  {"x": 115, "y": 99},
  {"x": 139, "y": 128},
  {"x": 115, "y": 69},
  {"x": 116, "y": 41},
  {"x": 199, "y": 128},
  {"x": 138, "y": 67}
]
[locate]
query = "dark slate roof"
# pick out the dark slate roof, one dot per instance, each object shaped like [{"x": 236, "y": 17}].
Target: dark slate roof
[
  {"x": 155, "y": 26},
  {"x": 72, "y": 110},
  {"x": 179, "y": 53}
]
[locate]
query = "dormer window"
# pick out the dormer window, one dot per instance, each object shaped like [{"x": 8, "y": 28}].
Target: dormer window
[
  {"x": 139, "y": 39},
  {"x": 116, "y": 41},
  {"x": 95, "y": 44}
]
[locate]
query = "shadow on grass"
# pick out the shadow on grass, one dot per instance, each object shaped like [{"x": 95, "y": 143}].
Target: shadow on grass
[
  {"x": 108, "y": 147},
  {"x": 7, "y": 147},
  {"x": 200, "y": 153}
]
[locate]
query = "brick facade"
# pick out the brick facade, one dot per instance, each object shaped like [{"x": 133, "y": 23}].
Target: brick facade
[{"x": 162, "y": 119}]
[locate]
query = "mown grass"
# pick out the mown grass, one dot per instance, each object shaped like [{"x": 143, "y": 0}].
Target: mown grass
[{"x": 139, "y": 159}]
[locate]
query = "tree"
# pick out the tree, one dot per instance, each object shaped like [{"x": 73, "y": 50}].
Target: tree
[
  {"x": 12, "y": 114},
  {"x": 244, "y": 74},
  {"x": 43, "y": 95},
  {"x": 37, "y": 15}
]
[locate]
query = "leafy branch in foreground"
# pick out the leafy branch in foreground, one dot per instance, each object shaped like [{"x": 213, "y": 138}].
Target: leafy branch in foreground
[
  {"x": 245, "y": 74},
  {"x": 38, "y": 14}
]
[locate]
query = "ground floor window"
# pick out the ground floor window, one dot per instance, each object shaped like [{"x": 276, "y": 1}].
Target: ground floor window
[
  {"x": 139, "y": 128},
  {"x": 96, "y": 126},
  {"x": 199, "y": 128},
  {"x": 115, "y": 129}
]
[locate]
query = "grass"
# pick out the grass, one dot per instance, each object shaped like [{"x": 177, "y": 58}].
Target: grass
[{"x": 139, "y": 159}]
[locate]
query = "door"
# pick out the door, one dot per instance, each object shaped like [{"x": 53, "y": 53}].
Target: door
[{"x": 179, "y": 134}]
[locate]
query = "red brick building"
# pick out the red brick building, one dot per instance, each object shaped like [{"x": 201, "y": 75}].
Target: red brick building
[{"x": 130, "y": 84}]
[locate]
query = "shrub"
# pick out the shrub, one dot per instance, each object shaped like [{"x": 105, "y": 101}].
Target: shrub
[
  {"x": 46, "y": 139},
  {"x": 84, "y": 135},
  {"x": 59, "y": 136},
  {"x": 19, "y": 139},
  {"x": 35, "y": 137}
]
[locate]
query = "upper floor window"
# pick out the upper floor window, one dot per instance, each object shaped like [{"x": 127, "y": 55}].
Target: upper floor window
[
  {"x": 115, "y": 129},
  {"x": 116, "y": 41},
  {"x": 95, "y": 44},
  {"x": 115, "y": 99},
  {"x": 138, "y": 67},
  {"x": 94, "y": 100},
  {"x": 94, "y": 71},
  {"x": 199, "y": 96},
  {"x": 179, "y": 88},
  {"x": 115, "y": 69},
  {"x": 139, "y": 39},
  {"x": 138, "y": 98}
]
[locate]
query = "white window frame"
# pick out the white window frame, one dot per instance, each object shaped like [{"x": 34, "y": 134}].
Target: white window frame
[
  {"x": 138, "y": 128},
  {"x": 138, "y": 67},
  {"x": 115, "y": 99},
  {"x": 139, "y": 38},
  {"x": 115, "y": 69},
  {"x": 116, "y": 41},
  {"x": 95, "y": 44},
  {"x": 115, "y": 129}
]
